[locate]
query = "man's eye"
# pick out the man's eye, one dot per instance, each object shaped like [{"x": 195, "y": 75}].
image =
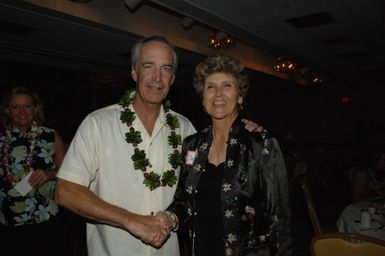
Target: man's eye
[{"x": 167, "y": 68}]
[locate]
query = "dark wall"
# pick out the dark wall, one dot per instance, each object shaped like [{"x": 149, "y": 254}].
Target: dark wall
[{"x": 296, "y": 114}]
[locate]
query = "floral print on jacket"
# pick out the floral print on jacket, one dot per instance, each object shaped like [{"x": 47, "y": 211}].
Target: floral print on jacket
[
  {"x": 38, "y": 205},
  {"x": 255, "y": 194}
]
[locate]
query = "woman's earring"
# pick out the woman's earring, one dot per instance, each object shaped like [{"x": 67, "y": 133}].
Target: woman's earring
[
  {"x": 240, "y": 101},
  {"x": 204, "y": 108}
]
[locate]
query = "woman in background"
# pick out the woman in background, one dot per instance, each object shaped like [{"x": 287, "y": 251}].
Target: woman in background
[
  {"x": 232, "y": 193},
  {"x": 29, "y": 158}
]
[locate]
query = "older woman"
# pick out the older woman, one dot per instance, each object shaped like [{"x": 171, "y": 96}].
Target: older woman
[
  {"x": 30, "y": 155},
  {"x": 233, "y": 191}
]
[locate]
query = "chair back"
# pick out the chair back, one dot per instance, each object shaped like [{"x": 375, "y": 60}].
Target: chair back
[
  {"x": 310, "y": 205},
  {"x": 341, "y": 244}
]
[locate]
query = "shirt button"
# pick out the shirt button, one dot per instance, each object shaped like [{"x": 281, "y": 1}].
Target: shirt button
[{"x": 195, "y": 213}]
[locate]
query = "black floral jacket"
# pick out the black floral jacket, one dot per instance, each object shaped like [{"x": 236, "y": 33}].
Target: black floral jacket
[{"x": 255, "y": 195}]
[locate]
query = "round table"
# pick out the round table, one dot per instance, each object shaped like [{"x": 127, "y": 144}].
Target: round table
[{"x": 349, "y": 221}]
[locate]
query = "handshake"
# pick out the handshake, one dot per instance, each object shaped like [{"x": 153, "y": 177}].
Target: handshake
[{"x": 154, "y": 229}]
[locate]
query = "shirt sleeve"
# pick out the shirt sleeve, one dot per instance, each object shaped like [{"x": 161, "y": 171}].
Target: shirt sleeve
[{"x": 80, "y": 163}]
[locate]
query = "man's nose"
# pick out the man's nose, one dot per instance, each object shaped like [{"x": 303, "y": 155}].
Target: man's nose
[{"x": 158, "y": 74}]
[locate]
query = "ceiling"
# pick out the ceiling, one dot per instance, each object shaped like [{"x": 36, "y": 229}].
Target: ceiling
[{"x": 343, "y": 39}]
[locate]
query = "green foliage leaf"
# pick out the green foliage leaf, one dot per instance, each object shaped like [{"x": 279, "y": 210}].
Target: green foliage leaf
[
  {"x": 175, "y": 159},
  {"x": 169, "y": 178},
  {"x": 126, "y": 99},
  {"x": 140, "y": 160},
  {"x": 172, "y": 121},
  {"x": 133, "y": 137},
  {"x": 127, "y": 116},
  {"x": 174, "y": 139},
  {"x": 167, "y": 105},
  {"x": 152, "y": 181}
]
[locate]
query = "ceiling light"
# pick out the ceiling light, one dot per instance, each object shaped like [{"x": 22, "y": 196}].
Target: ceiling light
[
  {"x": 284, "y": 65},
  {"x": 220, "y": 40},
  {"x": 317, "y": 78}
]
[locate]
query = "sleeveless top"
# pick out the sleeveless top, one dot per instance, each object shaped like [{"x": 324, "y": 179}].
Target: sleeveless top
[
  {"x": 38, "y": 205},
  {"x": 209, "y": 226}
]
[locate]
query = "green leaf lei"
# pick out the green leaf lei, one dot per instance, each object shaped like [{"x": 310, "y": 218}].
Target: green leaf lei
[{"x": 151, "y": 180}]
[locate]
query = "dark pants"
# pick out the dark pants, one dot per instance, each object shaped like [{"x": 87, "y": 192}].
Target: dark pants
[{"x": 43, "y": 239}]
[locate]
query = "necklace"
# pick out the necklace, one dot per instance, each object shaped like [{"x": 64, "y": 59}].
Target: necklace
[
  {"x": 7, "y": 150},
  {"x": 152, "y": 180}
]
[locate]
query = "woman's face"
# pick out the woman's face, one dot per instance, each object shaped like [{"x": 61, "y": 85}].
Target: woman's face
[
  {"x": 221, "y": 96},
  {"x": 21, "y": 111}
]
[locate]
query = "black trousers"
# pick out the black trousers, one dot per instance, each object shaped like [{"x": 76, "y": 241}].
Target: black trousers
[{"x": 43, "y": 239}]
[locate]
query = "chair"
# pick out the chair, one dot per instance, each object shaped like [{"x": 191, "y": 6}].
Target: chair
[
  {"x": 310, "y": 205},
  {"x": 341, "y": 244}
]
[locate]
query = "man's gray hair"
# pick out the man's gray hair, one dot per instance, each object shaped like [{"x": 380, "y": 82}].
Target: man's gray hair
[{"x": 136, "y": 49}]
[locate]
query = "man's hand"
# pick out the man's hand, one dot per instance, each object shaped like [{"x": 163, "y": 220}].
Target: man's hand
[
  {"x": 150, "y": 229},
  {"x": 251, "y": 126}
]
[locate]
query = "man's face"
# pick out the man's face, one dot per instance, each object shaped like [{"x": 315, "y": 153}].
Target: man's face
[{"x": 153, "y": 72}]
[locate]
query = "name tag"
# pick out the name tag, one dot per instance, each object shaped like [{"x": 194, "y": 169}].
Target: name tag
[{"x": 190, "y": 157}]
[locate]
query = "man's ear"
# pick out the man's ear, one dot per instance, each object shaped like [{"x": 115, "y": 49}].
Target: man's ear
[
  {"x": 173, "y": 79},
  {"x": 134, "y": 75}
]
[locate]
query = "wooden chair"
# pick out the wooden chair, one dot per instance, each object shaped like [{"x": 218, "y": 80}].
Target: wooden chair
[
  {"x": 310, "y": 205},
  {"x": 341, "y": 244}
]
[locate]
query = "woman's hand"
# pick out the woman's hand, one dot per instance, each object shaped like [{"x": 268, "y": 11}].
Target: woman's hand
[{"x": 168, "y": 220}]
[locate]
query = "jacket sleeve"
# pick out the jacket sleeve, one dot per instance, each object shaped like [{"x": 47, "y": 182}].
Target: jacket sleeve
[{"x": 277, "y": 192}]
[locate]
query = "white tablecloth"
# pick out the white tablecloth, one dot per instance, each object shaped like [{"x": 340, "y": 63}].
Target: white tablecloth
[{"x": 349, "y": 221}]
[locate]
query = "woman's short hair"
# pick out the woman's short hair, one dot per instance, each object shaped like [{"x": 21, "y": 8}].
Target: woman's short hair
[
  {"x": 138, "y": 46},
  {"x": 221, "y": 64},
  {"x": 38, "y": 111}
]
